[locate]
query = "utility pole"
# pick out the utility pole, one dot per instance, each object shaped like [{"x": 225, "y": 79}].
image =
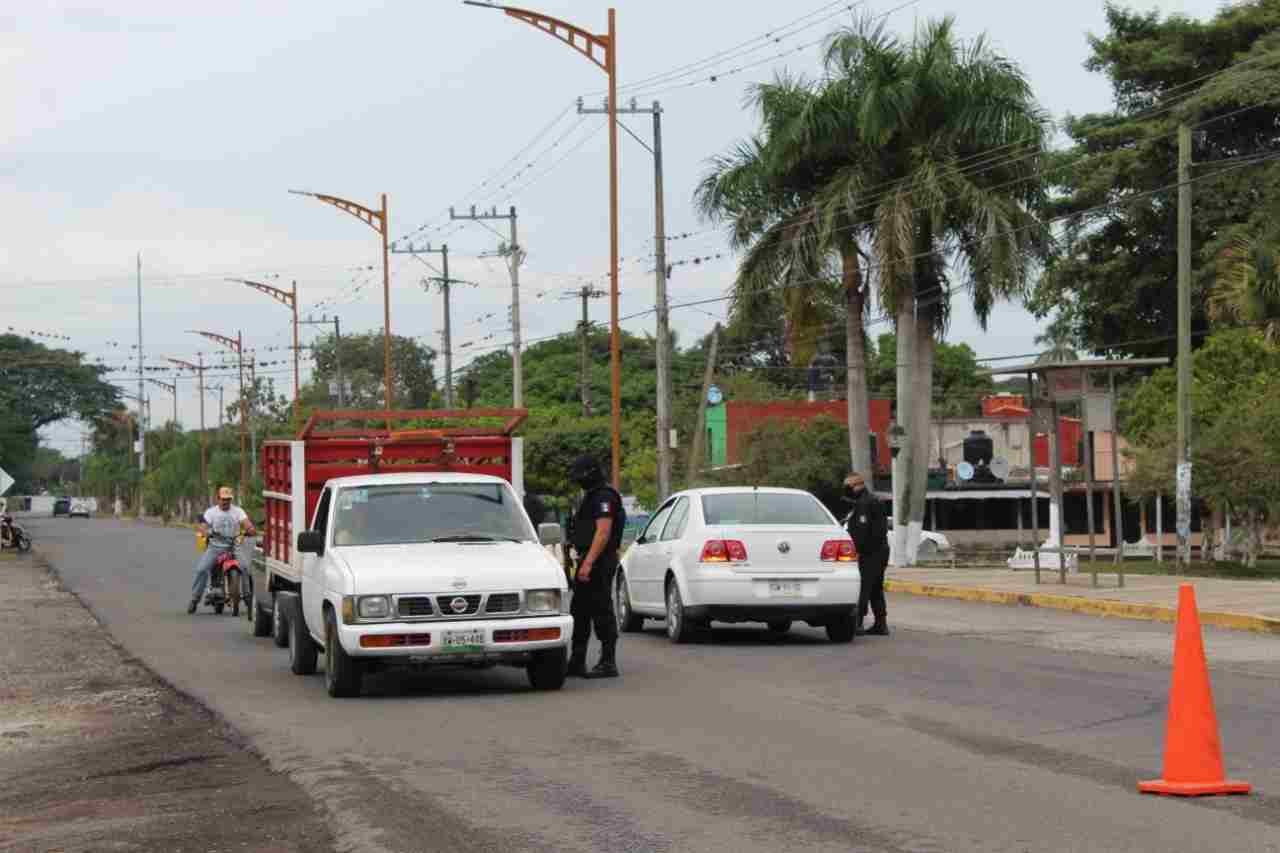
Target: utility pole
[
  {"x": 236, "y": 345},
  {"x": 444, "y": 281},
  {"x": 695, "y": 450},
  {"x": 198, "y": 367},
  {"x": 515, "y": 255},
  {"x": 660, "y": 284},
  {"x": 142, "y": 423},
  {"x": 337, "y": 352},
  {"x": 584, "y": 338},
  {"x": 1184, "y": 347}
]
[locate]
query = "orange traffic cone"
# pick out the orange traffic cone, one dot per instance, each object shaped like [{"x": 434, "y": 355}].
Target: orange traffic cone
[{"x": 1192, "y": 752}]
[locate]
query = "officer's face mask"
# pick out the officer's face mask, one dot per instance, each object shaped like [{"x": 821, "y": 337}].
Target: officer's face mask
[{"x": 855, "y": 491}]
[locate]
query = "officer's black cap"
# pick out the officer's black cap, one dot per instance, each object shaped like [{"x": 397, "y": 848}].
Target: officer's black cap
[{"x": 585, "y": 467}]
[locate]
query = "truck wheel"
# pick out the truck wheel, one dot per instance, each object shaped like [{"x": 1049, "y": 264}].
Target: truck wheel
[
  {"x": 302, "y": 649},
  {"x": 548, "y": 668},
  {"x": 261, "y": 620},
  {"x": 628, "y": 620},
  {"x": 342, "y": 673},
  {"x": 279, "y": 623}
]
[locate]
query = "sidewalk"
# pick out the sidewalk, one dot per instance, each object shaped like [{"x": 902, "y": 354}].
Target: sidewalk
[{"x": 1245, "y": 605}]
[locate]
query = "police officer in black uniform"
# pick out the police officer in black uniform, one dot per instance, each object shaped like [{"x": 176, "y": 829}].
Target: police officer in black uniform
[
  {"x": 596, "y": 536},
  {"x": 870, "y": 533}
]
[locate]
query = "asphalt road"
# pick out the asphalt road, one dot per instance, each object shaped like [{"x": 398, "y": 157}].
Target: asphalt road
[{"x": 972, "y": 728}]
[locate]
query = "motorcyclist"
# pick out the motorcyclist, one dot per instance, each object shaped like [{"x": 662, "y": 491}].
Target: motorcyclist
[{"x": 221, "y": 524}]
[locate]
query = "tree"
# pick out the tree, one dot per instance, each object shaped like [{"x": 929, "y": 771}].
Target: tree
[
  {"x": 931, "y": 112},
  {"x": 958, "y": 385},
  {"x": 1234, "y": 416},
  {"x": 1247, "y": 289},
  {"x": 363, "y": 366},
  {"x": 1110, "y": 280},
  {"x": 785, "y": 195},
  {"x": 807, "y": 456},
  {"x": 40, "y": 386}
]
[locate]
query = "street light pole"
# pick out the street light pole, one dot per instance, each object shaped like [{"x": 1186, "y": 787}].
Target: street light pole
[
  {"x": 377, "y": 220},
  {"x": 198, "y": 367},
  {"x": 289, "y": 299},
  {"x": 590, "y": 45},
  {"x": 236, "y": 345}
]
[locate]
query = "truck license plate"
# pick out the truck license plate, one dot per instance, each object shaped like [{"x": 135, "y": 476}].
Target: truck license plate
[
  {"x": 784, "y": 589},
  {"x": 464, "y": 641}
]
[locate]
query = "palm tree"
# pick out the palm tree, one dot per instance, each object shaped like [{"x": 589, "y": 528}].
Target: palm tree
[
  {"x": 775, "y": 192},
  {"x": 957, "y": 139},
  {"x": 1248, "y": 284}
]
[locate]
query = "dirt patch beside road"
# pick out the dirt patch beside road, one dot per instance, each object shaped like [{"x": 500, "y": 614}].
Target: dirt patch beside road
[{"x": 97, "y": 754}]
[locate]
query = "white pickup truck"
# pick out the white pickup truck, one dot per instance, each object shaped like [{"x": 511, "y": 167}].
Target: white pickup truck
[{"x": 385, "y": 549}]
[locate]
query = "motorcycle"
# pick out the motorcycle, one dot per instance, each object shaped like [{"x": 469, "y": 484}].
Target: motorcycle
[
  {"x": 12, "y": 535},
  {"x": 226, "y": 580}
]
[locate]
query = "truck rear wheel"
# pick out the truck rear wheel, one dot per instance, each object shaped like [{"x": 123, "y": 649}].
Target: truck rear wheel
[
  {"x": 548, "y": 669},
  {"x": 302, "y": 649},
  {"x": 279, "y": 623},
  {"x": 261, "y": 620}
]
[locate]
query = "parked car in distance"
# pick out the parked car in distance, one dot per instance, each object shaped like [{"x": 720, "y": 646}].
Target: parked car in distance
[
  {"x": 740, "y": 554},
  {"x": 61, "y": 506},
  {"x": 80, "y": 508}
]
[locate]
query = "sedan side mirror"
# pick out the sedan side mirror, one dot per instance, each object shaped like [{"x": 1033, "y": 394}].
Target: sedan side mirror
[
  {"x": 550, "y": 534},
  {"x": 311, "y": 542}
]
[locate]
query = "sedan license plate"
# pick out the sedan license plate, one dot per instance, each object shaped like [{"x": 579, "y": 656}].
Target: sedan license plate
[
  {"x": 784, "y": 589},
  {"x": 463, "y": 641}
]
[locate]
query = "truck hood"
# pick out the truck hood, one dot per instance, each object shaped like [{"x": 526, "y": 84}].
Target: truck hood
[{"x": 442, "y": 566}]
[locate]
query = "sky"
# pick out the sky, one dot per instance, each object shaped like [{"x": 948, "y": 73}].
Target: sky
[{"x": 174, "y": 131}]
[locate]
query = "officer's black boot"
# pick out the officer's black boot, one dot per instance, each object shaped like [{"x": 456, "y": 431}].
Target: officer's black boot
[
  {"x": 578, "y": 662},
  {"x": 608, "y": 665}
]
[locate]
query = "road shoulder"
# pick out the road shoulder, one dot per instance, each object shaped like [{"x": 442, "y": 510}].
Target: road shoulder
[{"x": 100, "y": 753}]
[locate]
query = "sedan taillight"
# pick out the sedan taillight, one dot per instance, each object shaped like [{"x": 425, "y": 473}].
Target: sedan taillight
[
  {"x": 839, "y": 551},
  {"x": 723, "y": 551}
]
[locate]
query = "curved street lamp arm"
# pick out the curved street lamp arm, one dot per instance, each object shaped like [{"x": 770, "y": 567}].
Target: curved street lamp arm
[
  {"x": 373, "y": 218},
  {"x": 284, "y": 297},
  {"x": 230, "y": 343},
  {"x": 576, "y": 37},
  {"x": 188, "y": 365}
]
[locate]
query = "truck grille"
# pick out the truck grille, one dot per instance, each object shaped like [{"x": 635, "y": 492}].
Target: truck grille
[
  {"x": 503, "y": 602},
  {"x": 445, "y": 603},
  {"x": 418, "y": 605}
]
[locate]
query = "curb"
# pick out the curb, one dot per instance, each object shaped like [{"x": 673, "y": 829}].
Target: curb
[{"x": 1080, "y": 604}]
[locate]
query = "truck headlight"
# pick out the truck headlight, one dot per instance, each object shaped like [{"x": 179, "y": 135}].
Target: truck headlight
[
  {"x": 542, "y": 601},
  {"x": 373, "y": 607}
]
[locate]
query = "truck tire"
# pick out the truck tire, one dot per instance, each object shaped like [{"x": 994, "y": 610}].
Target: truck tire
[
  {"x": 279, "y": 623},
  {"x": 547, "y": 669},
  {"x": 302, "y": 649},
  {"x": 342, "y": 673},
  {"x": 261, "y": 620}
]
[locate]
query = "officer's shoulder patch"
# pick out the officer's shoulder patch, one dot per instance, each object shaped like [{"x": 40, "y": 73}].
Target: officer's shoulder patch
[{"x": 604, "y": 506}]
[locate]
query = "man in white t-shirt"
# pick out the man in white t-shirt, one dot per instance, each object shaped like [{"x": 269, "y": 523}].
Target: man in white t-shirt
[{"x": 221, "y": 524}]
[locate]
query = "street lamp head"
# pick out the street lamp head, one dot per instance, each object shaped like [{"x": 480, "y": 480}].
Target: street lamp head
[{"x": 482, "y": 5}]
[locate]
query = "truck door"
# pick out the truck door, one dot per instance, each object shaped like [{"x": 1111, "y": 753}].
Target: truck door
[{"x": 312, "y": 571}]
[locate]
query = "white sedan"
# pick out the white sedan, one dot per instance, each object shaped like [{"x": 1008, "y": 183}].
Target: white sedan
[{"x": 740, "y": 554}]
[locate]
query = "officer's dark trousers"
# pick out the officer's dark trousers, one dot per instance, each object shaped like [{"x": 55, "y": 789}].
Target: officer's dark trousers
[
  {"x": 872, "y": 567},
  {"x": 593, "y": 606}
]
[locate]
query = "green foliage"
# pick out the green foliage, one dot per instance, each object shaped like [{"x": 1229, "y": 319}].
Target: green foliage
[
  {"x": 812, "y": 456},
  {"x": 1111, "y": 280},
  {"x": 39, "y": 386},
  {"x": 958, "y": 387},
  {"x": 363, "y": 366}
]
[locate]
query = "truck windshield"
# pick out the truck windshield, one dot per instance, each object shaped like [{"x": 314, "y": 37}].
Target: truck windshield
[{"x": 428, "y": 512}]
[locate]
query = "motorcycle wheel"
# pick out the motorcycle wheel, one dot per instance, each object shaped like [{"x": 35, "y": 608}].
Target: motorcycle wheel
[
  {"x": 233, "y": 592},
  {"x": 24, "y": 543},
  {"x": 218, "y": 608}
]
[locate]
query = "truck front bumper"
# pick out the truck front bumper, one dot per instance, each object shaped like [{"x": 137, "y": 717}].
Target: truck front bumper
[{"x": 462, "y": 641}]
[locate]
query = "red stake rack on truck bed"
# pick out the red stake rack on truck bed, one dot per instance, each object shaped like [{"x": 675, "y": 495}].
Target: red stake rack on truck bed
[{"x": 301, "y": 467}]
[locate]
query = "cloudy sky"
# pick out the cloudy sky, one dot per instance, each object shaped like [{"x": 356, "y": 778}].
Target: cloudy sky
[{"x": 174, "y": 130}]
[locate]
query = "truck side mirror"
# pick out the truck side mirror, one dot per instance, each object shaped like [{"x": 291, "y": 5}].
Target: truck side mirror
[
  {"x": 311, "y": 542},
  {"x": 550, "y": 534}
]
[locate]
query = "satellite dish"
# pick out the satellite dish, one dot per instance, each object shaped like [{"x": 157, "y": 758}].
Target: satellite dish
[
  {"x": 714, "y": 396},
  {"x": 964, "y": 471},
  {"x": 1000, "y": 467}
]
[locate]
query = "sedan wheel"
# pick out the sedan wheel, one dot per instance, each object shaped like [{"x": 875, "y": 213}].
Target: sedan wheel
[
  {"x": 678, "y": 628},
  {"x": 629, "y": 621}
]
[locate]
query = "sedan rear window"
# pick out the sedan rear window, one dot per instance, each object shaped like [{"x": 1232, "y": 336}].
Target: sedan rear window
[{"x": 763, "y": 508}]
